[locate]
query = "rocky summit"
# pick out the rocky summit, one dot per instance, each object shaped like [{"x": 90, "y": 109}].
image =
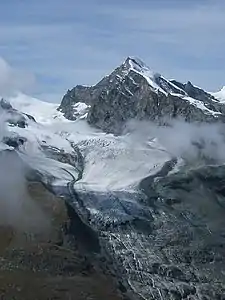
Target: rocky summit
[
  {"x": 118, "y": 193},
  {"x": 133, "y": 91}
]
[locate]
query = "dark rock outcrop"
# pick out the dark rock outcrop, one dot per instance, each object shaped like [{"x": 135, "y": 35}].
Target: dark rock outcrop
[
  {"x": 77, "y": 94},
  {"x": 14, "y": 141}
]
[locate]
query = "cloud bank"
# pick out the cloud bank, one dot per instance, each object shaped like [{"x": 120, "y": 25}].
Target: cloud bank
[{"x": 193, "y": 142}]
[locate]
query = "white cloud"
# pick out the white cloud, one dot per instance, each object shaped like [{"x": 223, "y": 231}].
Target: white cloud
[{"x": 12, "y": 80}]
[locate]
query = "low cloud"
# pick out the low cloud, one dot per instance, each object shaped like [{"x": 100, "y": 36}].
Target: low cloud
[
  {"x": 18, "y": 210},
  {"x": 190, "y": 141}
]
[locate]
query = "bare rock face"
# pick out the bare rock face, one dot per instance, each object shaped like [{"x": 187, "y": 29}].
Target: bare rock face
[
  {"x": 76, "y": 95},
  {"x": 132, "y": 91}
]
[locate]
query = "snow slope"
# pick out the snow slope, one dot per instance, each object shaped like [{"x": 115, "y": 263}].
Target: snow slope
[
  {"x": 220, "y": 95},
  {"x": 43, "y": 112},
  {"x": 37, "y": 137}
]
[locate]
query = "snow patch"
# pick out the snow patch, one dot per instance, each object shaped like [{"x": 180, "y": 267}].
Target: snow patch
[
  {"x": 80, "y": 109},
  {"x": 199, "y": 104}
]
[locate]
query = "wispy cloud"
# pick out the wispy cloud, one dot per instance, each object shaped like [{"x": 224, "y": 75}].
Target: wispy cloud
[{"x": 65, "y": 43}]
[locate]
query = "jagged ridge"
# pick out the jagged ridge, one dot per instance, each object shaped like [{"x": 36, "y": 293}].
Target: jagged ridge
[{"x": 133, "y": 91}]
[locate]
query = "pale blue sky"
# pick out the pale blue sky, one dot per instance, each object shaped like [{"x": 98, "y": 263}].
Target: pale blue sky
[{"x": 67, "y": 42}]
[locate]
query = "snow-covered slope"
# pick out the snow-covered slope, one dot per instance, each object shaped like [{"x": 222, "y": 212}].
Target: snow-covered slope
[
  {"x": 43, "y": 112},
  {"x": 37, "y": 144},
  {"x": 220, "y": 95}
]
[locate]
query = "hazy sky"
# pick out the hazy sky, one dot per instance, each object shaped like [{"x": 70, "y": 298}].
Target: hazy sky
[{"x": 62, "y": 43}]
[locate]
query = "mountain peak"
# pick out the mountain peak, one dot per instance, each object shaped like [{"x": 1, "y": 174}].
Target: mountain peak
[
  {"x": 154, "y": 79},
  {"x": 133, "y": 90},
  {"x": 136, "y": 64}
]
